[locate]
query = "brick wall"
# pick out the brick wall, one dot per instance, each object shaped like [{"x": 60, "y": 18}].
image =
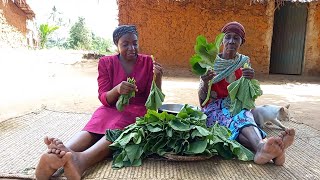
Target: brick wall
[
  {"x": 12, "y": 25},
  {"x": 168, "y": 29}
]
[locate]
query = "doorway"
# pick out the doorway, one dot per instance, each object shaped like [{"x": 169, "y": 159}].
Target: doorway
[{"x": 288, "y": 40}]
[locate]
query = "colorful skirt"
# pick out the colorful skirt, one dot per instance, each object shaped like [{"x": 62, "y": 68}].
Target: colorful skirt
[{"x": 218, "y": 112}]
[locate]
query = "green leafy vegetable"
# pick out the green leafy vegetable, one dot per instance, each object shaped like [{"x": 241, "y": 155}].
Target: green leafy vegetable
[
  {"x": 184, "y": 134},
  {"x": 206, "y": 54},
  {"x": 243, "y": 93},
  {"x": 156, "y": 96},
  {"x": 123, "y": 100}
]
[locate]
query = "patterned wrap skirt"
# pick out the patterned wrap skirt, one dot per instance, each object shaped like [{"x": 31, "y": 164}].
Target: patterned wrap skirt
[{"x": 218, "y": 112}]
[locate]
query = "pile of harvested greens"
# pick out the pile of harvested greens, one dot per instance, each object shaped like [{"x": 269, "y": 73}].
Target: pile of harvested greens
[{"x": 184, "y": 134}]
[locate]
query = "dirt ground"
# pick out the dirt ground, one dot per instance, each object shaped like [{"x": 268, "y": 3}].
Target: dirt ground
[{"x": 63, "y": 81}]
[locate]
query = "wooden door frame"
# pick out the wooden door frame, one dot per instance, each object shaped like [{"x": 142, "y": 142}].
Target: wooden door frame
[{"x": 306, "y": 39}]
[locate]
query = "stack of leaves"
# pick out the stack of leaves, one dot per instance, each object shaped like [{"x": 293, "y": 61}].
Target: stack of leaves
[
  {"x": 156, "y": 96},
  {"x": 206, "y": 54},
  {"x": 243, "y": 93},
  {"x": 184, "y": 134},
  {"x": 123, "y": 100}
]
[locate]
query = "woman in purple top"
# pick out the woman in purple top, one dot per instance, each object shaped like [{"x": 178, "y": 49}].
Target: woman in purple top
[{"x": 90, "y": 146}]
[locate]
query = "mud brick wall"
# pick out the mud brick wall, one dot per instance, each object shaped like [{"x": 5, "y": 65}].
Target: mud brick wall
[
  {"x": 12, "y": 25},
  {"x": 312, "y": 49},
  {"x": 168, "y": 29}
]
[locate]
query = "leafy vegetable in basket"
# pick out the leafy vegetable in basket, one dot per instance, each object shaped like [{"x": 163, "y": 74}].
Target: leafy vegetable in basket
[
  {"x": 123, "y": 100},
  {"x": 243, "y": 93},
  {"x": 206, "y": 54},
  {"x": 156, "y": 96},
  {"x": 184, "y": 134}
]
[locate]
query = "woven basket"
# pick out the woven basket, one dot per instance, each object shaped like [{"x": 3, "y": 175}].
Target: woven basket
[{"x": 174, "y": 157}]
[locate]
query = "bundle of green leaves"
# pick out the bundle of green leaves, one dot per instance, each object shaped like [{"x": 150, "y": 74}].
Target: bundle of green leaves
[
  {"x": 184, "y": 134},
  {"x": 205, "y": 56},
  {"x": 155, "y": 98},
  {"x": 123, "y": 100},
  {"x": 243, "y": 93}
]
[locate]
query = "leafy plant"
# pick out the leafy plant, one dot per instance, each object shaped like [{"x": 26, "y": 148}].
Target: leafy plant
[
  {"x": 80, "y": 36},
  {"x": 243, "y": 93},
  {"x": 184, "y": 134},
  {"x": 100, "y": 45},
  {"x": 156, "y": 96},
  {"x": 206, "y": 54},
  {"x": 123, "y": 100},
  {"x": 45, "y": 32}
]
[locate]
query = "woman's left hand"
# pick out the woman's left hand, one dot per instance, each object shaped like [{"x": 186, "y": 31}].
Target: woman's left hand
[
  {"x": 248, "y": 73},
  {"x": 157, "y": 69}
]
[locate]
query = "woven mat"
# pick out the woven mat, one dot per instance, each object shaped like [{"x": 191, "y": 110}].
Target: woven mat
[{"x": 21, "y": 144}]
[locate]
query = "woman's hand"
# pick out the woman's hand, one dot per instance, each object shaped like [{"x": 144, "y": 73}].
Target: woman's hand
[
  {"x": 158, "y": 72},
  {"x": 208, "y": 76},
  {"x": 248, "y": 73},
  {"x": 125, "y": 87},
  {"x": 157, "y": 69}
]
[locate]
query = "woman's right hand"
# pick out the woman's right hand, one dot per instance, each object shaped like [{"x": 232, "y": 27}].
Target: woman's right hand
[
  {"x": 208, "y": 76},
  {"x": 125, "y": 87}
]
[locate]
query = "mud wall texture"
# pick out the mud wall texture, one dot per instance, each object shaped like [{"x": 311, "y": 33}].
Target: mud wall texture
[
  {"x": 168, "y": 29},
  {"x": 12, "y": 25},
  {"x": 312, "y": 48}
]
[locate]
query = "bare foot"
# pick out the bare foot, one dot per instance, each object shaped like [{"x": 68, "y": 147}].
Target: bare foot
[
  {"x": 71, "y": 168},
  {"x": 288, "y": 137},
  {"x": 268, "y": 150},
  {"x": 280, "y": 160},
  {"x": 51, "y": 144},
  {"x": 49, "y": 163},
  {"x": 57, "y": 147},
  {"x": 48, "y": 141}
]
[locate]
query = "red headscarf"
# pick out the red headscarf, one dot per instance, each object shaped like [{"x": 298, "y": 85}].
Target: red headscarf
[{"x": 235, "y": 27}]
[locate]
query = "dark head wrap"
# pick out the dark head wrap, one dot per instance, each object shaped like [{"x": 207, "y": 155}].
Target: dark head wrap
[
  {"x": 235, "y": 27},
  {"x": 122, "y": 30}
]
